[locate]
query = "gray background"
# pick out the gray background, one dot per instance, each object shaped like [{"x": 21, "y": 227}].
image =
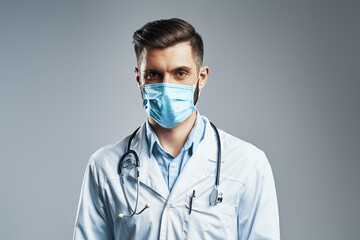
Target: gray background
[{"x": 284, "y": 75}]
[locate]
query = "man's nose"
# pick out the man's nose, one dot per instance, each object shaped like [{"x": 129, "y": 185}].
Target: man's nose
[{"x": 167, "y": 78}]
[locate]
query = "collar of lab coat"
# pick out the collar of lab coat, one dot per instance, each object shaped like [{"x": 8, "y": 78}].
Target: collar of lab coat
[{"x": 202, "y": 164}]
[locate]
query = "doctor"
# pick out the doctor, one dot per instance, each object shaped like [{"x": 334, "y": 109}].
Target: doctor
[{"x": 178, "y": 156}]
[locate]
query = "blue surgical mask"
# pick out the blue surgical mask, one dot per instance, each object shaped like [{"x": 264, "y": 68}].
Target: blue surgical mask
[{"x": 168, "y": 104}]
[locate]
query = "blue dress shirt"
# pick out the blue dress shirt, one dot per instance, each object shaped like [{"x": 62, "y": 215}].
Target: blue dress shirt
[{"x": 171, "y": 166}]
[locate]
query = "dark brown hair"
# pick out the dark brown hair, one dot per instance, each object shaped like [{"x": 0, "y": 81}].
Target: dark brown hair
[{"x": 166, "y": 33}]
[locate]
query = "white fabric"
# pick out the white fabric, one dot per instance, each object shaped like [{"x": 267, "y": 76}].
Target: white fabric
[{"x": 249, "y": 209}]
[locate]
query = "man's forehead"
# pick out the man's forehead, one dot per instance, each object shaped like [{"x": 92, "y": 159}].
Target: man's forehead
[{"x": 178, "y": 54}]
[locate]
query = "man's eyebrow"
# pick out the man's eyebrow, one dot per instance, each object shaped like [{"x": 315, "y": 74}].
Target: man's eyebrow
[
  {"x": 151, "y": 70},
  {"x": 182, "y": 68}
]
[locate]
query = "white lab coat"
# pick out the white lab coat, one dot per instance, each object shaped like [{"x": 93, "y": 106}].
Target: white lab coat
[{"x": 249, "y": 209}]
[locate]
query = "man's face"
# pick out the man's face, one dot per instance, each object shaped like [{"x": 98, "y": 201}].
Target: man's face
[{"x": 174, "y": 64}]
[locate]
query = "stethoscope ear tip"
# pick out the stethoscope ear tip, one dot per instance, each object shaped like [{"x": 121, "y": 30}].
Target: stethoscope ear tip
[
  {"x": 147, "y": 205},
  {"x": 120, "y": 215}
]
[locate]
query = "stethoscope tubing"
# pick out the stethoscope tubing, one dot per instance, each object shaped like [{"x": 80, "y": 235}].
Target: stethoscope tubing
[
  {"x": 218, "y": 167},
  {"x": 137, "y": 166}
]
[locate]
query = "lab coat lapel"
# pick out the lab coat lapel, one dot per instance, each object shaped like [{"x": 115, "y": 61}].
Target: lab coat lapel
[
  {"x": 201, "y": 165},
  {"x": 150, "y": 174}
]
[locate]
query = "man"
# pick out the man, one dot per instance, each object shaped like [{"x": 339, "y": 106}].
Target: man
[{"x": 184, "y": 195}]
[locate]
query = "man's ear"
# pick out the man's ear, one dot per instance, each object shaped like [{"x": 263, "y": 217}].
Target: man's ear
[
  {"x": 204, "y": 74},
  {"x": 137, "y": 76}
]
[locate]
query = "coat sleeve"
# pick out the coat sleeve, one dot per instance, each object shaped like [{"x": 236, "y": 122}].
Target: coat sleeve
[
  {"x": 258, "y": 216},
  {"x": 91, "y": 218}
]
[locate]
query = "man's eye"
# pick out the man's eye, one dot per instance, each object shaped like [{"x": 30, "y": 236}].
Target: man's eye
[
  {"x": 151, "y": 75},
  {"x": 182, "y": 74}
]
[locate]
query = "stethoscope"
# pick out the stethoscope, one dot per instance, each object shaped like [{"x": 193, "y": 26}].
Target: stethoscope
[{"x": 215, "y": 196}]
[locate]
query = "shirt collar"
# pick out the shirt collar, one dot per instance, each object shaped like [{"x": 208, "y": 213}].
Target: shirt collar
[{"x": 193, "y": 140}]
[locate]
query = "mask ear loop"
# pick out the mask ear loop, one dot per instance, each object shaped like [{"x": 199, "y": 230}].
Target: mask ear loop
[{"x": 196, "y": 86}]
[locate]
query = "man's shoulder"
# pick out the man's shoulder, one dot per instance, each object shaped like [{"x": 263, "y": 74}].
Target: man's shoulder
[
  {"x": 106, "y": 158},
  {"x": 235, "y": 144},
  {"x": 237, "y": 150},
  {"x": 110, "y": 150},
  {"x": 241, "y": 157}
]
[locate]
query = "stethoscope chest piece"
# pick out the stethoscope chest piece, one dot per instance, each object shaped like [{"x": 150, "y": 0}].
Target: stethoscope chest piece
[{"x": 215, "y": 197}]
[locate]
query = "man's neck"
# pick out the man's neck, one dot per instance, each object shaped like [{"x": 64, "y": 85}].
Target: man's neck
[{"x": 172, "y": 140}]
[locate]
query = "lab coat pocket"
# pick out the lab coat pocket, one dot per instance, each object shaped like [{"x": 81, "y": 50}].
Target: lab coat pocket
[{"x": 209, "y": 222}]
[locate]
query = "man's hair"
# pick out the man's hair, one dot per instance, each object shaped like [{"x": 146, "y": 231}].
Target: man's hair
[{"x": 166, "y": 33}]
